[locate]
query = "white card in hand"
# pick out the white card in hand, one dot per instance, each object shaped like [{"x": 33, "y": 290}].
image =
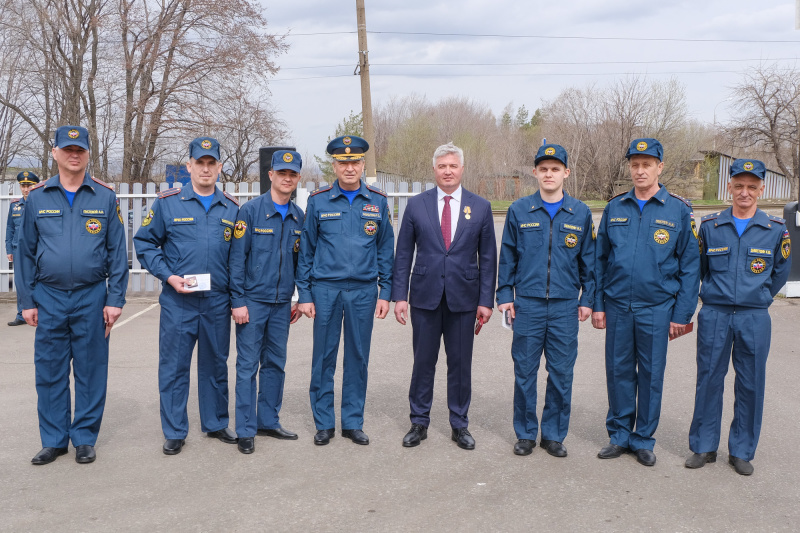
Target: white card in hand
[
  {"x": 197, "y": 282},
  {"x": 508, "y": 322}
]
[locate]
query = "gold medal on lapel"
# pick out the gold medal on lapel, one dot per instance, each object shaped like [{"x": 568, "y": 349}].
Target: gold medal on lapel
[{"x": 467, "y": 212}]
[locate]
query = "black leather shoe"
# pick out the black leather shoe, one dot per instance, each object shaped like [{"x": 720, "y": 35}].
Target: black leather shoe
[
  {"x": 356, "y": 435},
  {"x": 225, "y": 435},
  {"x": 699, "y": 460},
  {"x": 84, "y": 454},
  {"x": 612, "y": 451},
  {"x": 554, "y": 448},
  {"x": 645, "y": 457},
  {"x": 415, "y": 435},
  {"x": 324, "y": 436},
  {"x": 173, "y": 446},
  {"x": 524, "y": 447},
  {"x": 742, "y": 467},
  {"x": 48, "y": 455},
  {"x": 278, "y": 433},
  {"x": 247, "y": 444},
  {"x": 463, "y": 438},
  {"x": 16, "y": 322}
]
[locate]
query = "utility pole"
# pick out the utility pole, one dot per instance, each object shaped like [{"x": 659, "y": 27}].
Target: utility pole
[{"x": 366, "y": 96}]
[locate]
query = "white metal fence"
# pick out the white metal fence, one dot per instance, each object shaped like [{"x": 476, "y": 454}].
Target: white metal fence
[{"x": 135, "y": 201}]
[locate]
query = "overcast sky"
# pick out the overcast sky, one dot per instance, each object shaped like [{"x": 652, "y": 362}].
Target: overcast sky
[{"x": 315, "y": 88}]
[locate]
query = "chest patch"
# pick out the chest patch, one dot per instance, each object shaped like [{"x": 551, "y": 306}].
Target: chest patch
[
  {"x": 758, "y": 265},
  {"x": 370, "y": 228},
  {"x": 661, "y": 236},
  {"x": 571, "y": 240},
  {"x": 93, "y": 226}
]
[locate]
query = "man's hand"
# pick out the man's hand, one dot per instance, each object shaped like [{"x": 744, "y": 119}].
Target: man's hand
[
  {"x": 599, "y": 320},
  {"x": 401, "y": 311},
  {"x": 110, "y": 316},
  {"x": 307, "y": 309},
  {"x": 584, "y": 313},
  {"x": 177, "y": 283},
  {"x": 676, "y": 330},
  {"x": 240, "y": 315},
  {"x": 508, "y": 307},
  {"x": 10, "y": 257},
  {"x": 31, "y": 316},
  {"x": 382, "y": 308},
  {"x": 295, "y": 314},
  {"x": 484, "y": 312}
]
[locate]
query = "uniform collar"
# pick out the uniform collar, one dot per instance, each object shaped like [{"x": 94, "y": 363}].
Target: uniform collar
[
  {"x": 187, "y": 193},
  {"x": 568, "y": 205},
  {"x": 55, "y": 181},
  {"x": 362, "y": 190},
  {"x": 269, "y": 208},
  {"x": 661, "y": 195},
  {"x": 759, "y": 218}
]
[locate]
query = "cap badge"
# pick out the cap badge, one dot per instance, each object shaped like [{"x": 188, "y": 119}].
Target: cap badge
[
  {"x": 25, "y": 174},
  {"x": 206, "y": 144},
  {"x": 642, "y": 146},
  {"x": 73, "y": 134},
  {"x": 550, "y": 151},
  {"x": 347, "y": 140},
  {"x": 288, "y": 158},
  {"x": 347, "y": 149},
  {"x": 748, "y": 166}
]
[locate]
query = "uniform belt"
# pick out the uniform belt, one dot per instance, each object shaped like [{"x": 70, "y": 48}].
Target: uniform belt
[
  {"x": 734, "y": 308},
  {"x": 345, "y": 284}
]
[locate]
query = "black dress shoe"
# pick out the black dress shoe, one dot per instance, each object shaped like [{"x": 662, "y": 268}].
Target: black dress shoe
[
  {"x": 742, "y": 467},
  {"x": 247, "y": 444},
  {"x": 463, "y": 438},
  {"x": 645, "y": 457},
  {"x": 554, "y": 448},
  {"x": 173, "y": 446},
  {"x": 699, "y": 460},
  {"x": 225, "y": 435},
  {"x": 524, "y": 447},
  {"x": 278, "y": 433},
  {"x": 356, "y": 435},
  {"x": 47, "y": 455},
  {"x": 612, "y": 451},
  {"x": 324, "y": 436},
  {"x": 415, "y": 435},
  {"x": 16, "y": 322},
  {"x": 84, "y": 454}
]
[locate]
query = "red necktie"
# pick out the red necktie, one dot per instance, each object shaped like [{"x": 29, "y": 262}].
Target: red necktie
[{"x": 446, "y": 222}]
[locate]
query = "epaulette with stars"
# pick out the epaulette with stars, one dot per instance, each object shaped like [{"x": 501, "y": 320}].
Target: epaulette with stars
[
  {"x": 712, "y": 216},
  {"x": 15, "y": 200},
  {"x": 377, "y": 190},
  {"x": 682, "y": 199},
  {"x": 617, "y": 195},
  {"x": 779, "y": 220},
  {"x": 321, "y": 189},
  {"x": 41, "y": 184},
  {"x": 103, "y": 183},
  {"x": 169, "y": 192},
  {"x": 231, "y": 198}
]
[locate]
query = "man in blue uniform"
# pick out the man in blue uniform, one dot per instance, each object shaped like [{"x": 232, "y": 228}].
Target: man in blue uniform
[
  {"x": 546, "y": 294},
  {"x": 263, "y": 261},
  {"x": 185, "y": 238},
  {"x": 344, "y": 275},
  {"x": 26, "y": 181},
  {"x": 745, "y": 260},
  {"x": 648, "y": 273},
  {"x": 71, "y": 275}
]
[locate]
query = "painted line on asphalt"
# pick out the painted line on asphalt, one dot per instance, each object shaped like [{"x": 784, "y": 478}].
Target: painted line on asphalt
[{"x": 140, "y": 313}]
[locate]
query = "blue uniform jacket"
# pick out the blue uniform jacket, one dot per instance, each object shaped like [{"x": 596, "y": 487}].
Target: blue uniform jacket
[
  {"x": 541, "y": 258},
  {"x": 745, "y": 271},
  {"x": 264, "y": 257},
  {"x": 179, "y": 238},
  {"x": 648, "y": 258},
  {"x": 15, "y": 211},
  {"x": 343, "y": 242},
  {"x": 72, "y": 247}
]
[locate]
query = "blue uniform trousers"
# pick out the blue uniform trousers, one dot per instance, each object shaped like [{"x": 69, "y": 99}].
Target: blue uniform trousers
[
  {"x": 19, "y": 302},
  {"x": 550, "y": 325},
  {"x": 636, "y": 357},
  {"x": 70, "y": 330},
  {"x": 354, "y": 303},
  {"x": 458, "y": 330},
  {"x": 204, "y": 319},
  {"x": 748, "y": 332},
  {"x": 261, "y": 341}
]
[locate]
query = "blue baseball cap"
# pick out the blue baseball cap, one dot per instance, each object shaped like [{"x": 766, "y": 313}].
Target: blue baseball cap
[
  {"x": 287, "y": 160},
  {"x": 749, "y": 166},
  {"x": 347, "y": 148},
  {"x": 551, "y": 151},
  {"x": 27, "y": 178},
  {"x": 204, "y": 146},
  {"x": 72, "y": 136},
  {"x": 646, "y": 146}
]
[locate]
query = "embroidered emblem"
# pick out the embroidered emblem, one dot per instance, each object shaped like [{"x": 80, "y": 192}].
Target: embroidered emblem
[
  {"x": 642, "y": 146},
  {"x": 73, "y": 134},
  {"x": 296, "y": 245},
  {"x": 206, "y": 144},
  {"x": 227, "y": 234},
  {"x": 240, "y": 228},
  {"x": 571, "y": 240},
  {"x": 758, "y": 265},
  {"x": 93, "y": 226},
  {"x": 661, "y": 236},
  {"x": 370, "y": 228},
  {"x": 148, "y": 219}
]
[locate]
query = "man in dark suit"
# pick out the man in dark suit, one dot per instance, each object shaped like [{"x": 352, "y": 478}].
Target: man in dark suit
[{"x": 452, "y": 284}]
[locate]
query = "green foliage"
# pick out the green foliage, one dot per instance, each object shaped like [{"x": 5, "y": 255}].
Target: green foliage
[{"x": 353, "y": 124}]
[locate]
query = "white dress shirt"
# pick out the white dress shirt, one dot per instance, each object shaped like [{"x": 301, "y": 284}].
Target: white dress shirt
[{"x": 455, "y": 208}]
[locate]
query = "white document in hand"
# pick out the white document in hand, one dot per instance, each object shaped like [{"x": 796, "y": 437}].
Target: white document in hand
[{"x": 197, "y": 282}]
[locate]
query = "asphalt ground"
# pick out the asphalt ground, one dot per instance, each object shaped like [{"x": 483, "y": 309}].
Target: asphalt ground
[{"x": 295, "y": 485}]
